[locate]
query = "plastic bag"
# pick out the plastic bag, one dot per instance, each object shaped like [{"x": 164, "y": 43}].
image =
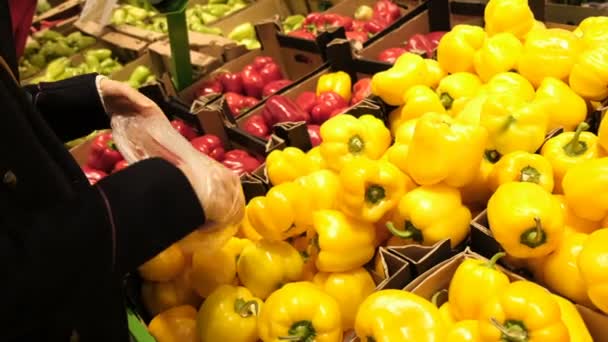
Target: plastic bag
[
  {"x": 98, "y": 12},
  {"x": 217, "y": 188}
]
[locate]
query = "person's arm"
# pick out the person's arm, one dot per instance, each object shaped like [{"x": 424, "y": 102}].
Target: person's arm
[
  {"x": 72, "y": 107},
  {"x": 106, "y": 231}
]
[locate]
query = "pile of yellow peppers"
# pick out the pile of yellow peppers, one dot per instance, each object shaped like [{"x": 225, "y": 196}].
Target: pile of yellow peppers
[{"x": 469, "y": 133}]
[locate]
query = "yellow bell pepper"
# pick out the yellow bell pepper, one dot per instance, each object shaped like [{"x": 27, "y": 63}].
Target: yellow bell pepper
[
  {"x": 230, "y": 313},
  {"x": 342, "y": 243},
  {"x": 456, "y": 50},
  {"x": 211, "y": 269},
  {"x": 303, "y": 244},
  {"x": 446, "y": 314},
  {"x": 324, "y": 186},
  {"x": 349, "y": 289},
  {"x": 476, "y": 193},
  {"x": 444, "y": 150},
  {"x": 419, "y": 100},
  {"x": 568, "y": 149},
  {"x": 160, "y": 296},
  {"x": 602, "y": 135},
  {"x": 594, "y": 268},
  {"x": 371, "y": 188},
  {"x": 513, "y": 124},
  {"x": 300, "y": 312},
  {"x": 390, "y": 85},
  {"x": 246, "y": 231},
  {"x": 397, "y": 153},
  {"x": 395, "y": 315},
  {"x": 523, "y": 311},
  {"x": 538, "y": 25},
  {"x": 471, "y": 111},
  {"x": 498, "y": 54},
  {"x": 584, "y": 187},
  {"x": 549, "y": 53},
  {"x": 514, "y": 16},
  {"x": 562, "y": 264},
  {"x": 511, "y": 83},
  {"x": 286, "y": 165},
  {"x": 589, "y": 75},
  {"x": 280, "y": 262},
  {"x": 429, "y": 214},
  {"x": 316, "y": 159},
  {"x": 525, "y": 219},
  {"x": 572, "y": 319},
  {"x": 565, "y": 108},
  {"x": 434, "y": 72},
  {"x": 339, "y": 82},
  {"x": 464, "y": 331},
  {"x": 457, "y": 88},
  {"x": 474, "y": 283},
  {"x": 284, "y": 211},
  {"x": 164, "y": 266},
  {"x": 346, "y": 137},
  {"x": 520, "y": 166},
  {"x": 574, "y": 223},
  {"x": 593, "y": 31},
  {"x": 177, "y": 324}
]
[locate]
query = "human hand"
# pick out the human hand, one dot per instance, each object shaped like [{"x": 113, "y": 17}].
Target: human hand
[{"x": 121, "y": 99}]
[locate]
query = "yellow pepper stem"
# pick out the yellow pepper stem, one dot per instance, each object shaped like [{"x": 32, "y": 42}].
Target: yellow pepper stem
[
  {"x": 511, "y": 330},
  {"x": 300, "y": 331},
  {"x": 356, "y": 144},
  {"x": 446, "y": 100},
  {"x": 410, "y": 231},
  {"x": 246, "y": 308},
  {"x": 534, "y": 236},
  {"x": 529, "y": 174},
  {"x": 492, "y": 262},
  {"x": 576, "y": 147}
]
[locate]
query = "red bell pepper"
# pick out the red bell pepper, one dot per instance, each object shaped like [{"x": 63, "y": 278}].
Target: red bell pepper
[
  {"x": 307, "y": 100},
  {"x": 271, "y": 72},
  {"x": 93, "y": 175},
  {"x": 390, "y": 55},
  {"x": 120, "y": 165},
  {"x": 314, "y": 131},
  {"x": 210, "y": 87},
  {"x": 256, "y": 125},
  {"x": 334, "y": 20},
  {"x": 231, "y": 82},
  {"x": 210, "y": 145},
  {"x": 311, "y": 18},
  {"x": 434, "y": 37},
  {"x": 253, "y": 83},
  {"x": 358, "y": 25},
  {"x": 361, "y": 90},
  {"x": 328, "y": 103},
  {"x": 104, "y": 154},
  {"x": 237, "y": 104},
  {"x": 357, "y": 36},
  {"x": 184, "y": 129},
  {"x": 274, "y": 86},
  {"x": 375, "y": 25},
  {"x": 261, "y": 61},
  {"x": 248, "y": 102},
  {"x": 240, "y": 162},
  {"x": 302, "y": 33},
  {"x": 386, "y": 10},
  {"x": 279, "y": 108}
]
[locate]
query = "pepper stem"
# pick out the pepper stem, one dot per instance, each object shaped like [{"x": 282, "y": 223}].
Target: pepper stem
[
  {"x": 491, "y": 155},
  {"x": 511, "y": 330},
  {"x": 534, "y": 236},
  {"x": 246, "y": 308},
  {"x": 492, "y": 262},
  {"x": 356, "y": 144},
  {"x": 437, "y": 296},
  {"x": 529, "y": 174},
  {"x": 300, "y": 331},
  {"x": 410, "y": 231},
  {"x": 374, "y": 194},
  {"x": 575, "y": 146},
  {"x": 446, "y": 100},
  {"x": 508, "y": 122},
  {"x": 112, "y": 145},
  {"x": 370, "y": 339}
]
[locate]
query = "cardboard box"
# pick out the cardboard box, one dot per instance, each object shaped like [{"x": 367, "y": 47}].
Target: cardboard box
[
  {"x": 571, "y": 14},
  {"x": 201, "y": 63},
  {"x": 60, "y": 9},
  {"x": 150, "y": 60}
]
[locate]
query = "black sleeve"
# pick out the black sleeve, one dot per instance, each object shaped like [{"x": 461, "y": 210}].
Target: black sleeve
[
  {"x": 71, "y": 107},
  {"x": 130, "y": 217}
]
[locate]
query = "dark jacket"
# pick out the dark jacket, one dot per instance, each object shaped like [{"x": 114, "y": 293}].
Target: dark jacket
[{"x": 65, "y": 246}]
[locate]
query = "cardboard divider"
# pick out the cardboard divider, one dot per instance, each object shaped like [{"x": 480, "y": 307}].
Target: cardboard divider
[
  {"x": 201, "y": 63},
  {"x": 60, "y": 9}
]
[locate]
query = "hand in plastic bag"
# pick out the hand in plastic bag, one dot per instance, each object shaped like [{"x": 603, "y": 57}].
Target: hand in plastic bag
[{"x": 217, "y": 188}]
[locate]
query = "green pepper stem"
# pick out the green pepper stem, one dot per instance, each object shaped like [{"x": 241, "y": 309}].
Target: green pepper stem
[
  {"x": 529, "y": 174},
  {"x": 436, "y": 297},
  {"x": 355, "y": 144},
  {"x": 112, "y": 145},
  {"x": 246, "y": 308},
  {"x": 512, "y": 331},
  {"x": 300, "y": 331},
  {"x": 575, "y": 146},
  {"x": 410, "y": 231},
  {"x": 446, "y": 100},
  {"x": 492, "y": 262},
  {"x": 508, "y": 122},
  {"x": 491, "y": 155},
  {"x": 374, "y": 194},
  {"x": 535, "y": 236}
]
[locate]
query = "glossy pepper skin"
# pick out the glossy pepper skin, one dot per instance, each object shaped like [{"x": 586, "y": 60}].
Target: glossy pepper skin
[
  {"x": 328, "y": 104},
  {"x": 473, "y": 284},
  {"x": 434, "y": 72},
  {"x": 456, "y": 50},
  {"x": 325, "y": 185},
  {"x": 525, "y": 219},
  {"x": 343, "y": 243},
  {"x": 512, "y": 83},
  {"x": 346, "y": 137},
  {"x": 240, "y": 161},
  {"x": 397, "y": 153},
  {"x": 349, "y": 289},
  {"x": 429, "y": 214},
  {"x": 574, "y": 223},
  {"x": 210, "y": 145},
  {"x": 371, "y": 188},
  {"x": 475, "y": 194},
  {"x": 93, "y": 175},
  {"x": 300, "y": 312},
  {"x": 549, "y": 53},
  {"x": 444, "y": 150},
  {"x": 229, "y": 314},
  {"x": 184, "y": 129},
  {"x": 104, "y": 153},
  {"x": 280, "y": 261},
  {"x": 582, "y": 183},
  {"x": 524, "y": 311},
  {"x": 383, "y": 315},
  {"x": 409, "y": 70},
  {"x": 568, "y": 149},
  {"x": 593, "y": 267},
  {"x": 512, "y": 16},
  {"x": 499, "y": 53},
  {"x": 603, "y": 134},
  {"x": 175, "y": 324},
  {"x": 572, "y": 319},
  {"x": 565, "y": 108},
  {"x": 457, "y": 87},
  {"x": 520, "y": 166},
  {"x": 282, "y": 213},
  {"x": 339, "y": 82},
  {"x": 256, "y": 125},
  {"x": 464, "y": 331},
  {"x": 279, "y": 108},
  {"x": 361, "y": 89},
  {"x": 274, "y": 86},
  {"x": 286, "y": 165},
  {"x": 513, "y": 124},
  {"x": 165, "y": 266},
  {"x": 589, "y": 76},
  {"x": 390, "y": 55},
  {"x": 417, "y": 101}
]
